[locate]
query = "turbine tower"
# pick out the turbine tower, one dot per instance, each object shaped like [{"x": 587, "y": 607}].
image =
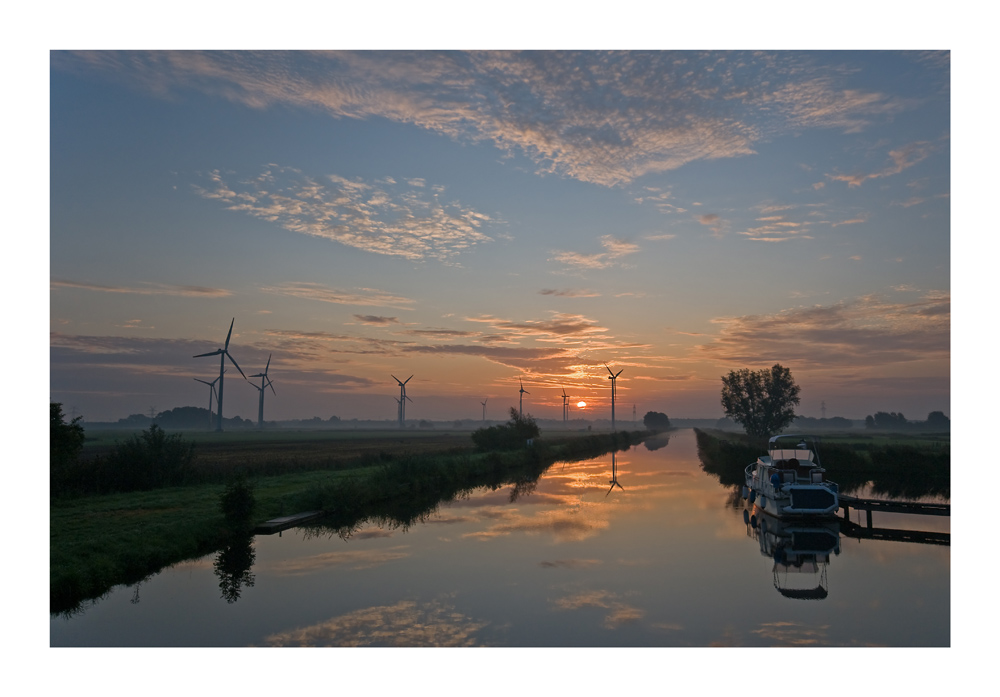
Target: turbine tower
[
  {"x": 612, "y": 377},
  {"x": 484, "y": 408},
  {"x": 565, "y": 406},
  {"x": 402, "y": 399},
  {"x": 520, "y": 399},
  {"x": 265, "y": 382},
  {"x": 223, "y": 354},
  {"x": 211, "y": 393}
]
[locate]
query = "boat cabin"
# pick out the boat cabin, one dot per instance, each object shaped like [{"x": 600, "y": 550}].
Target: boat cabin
[{"x": 792, "y": 463}]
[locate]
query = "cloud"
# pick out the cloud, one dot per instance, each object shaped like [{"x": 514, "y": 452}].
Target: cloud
[
  {"x": 144, "y": 289},
  {"x": 358, "y": 296},
  {"x": 619, "y": 612},
  {"x": 901, "y": 159},
  {"x": 602, "y": 117},
  {"x": 858, "y": 333},
  {"x": 569, "y": 293},
  {"x": 375, "y": 320},
  {"x": 614, "y": 248},
  {"x": 378, "y": 217}
]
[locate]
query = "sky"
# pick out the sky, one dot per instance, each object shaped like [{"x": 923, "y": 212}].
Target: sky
[{"x": 476, "y": 218}]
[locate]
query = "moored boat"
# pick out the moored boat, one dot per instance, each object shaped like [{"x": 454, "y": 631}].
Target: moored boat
[{"x": 790, "y": 481}]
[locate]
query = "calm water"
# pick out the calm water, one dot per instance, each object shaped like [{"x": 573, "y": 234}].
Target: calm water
[{"x": 663, "y": 559}]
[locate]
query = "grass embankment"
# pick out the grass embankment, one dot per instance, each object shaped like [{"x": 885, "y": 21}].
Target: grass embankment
[
  {"x": 896, "y": 465},
  {"x": 97, "y": 542}
]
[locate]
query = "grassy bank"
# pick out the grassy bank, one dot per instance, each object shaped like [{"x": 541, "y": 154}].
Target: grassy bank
[
  {"x": 900, "y": 466},
  {"x": 97, "y": 542}
]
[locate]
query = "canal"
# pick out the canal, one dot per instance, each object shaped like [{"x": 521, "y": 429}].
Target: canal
[{"x": 643, "y": 548}]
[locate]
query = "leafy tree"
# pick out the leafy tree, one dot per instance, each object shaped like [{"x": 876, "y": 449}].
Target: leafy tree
[
  {"x": 761, "y": 401},
  {"x": 655, "y": 421},
  {"x": 65, "y": 439},
  {"x": 513, "y": 434},
  {"x": 937, "y": 421},
  {"x": 889, "y": 421}
]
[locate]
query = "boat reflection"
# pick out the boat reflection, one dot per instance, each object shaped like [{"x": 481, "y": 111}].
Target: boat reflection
[{"x": 800, "y": 551}]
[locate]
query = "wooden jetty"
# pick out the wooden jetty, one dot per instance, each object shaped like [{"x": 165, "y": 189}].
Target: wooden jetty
[
  {"x": 283, "y": 523},
  {"x": 867, "y": 531}
]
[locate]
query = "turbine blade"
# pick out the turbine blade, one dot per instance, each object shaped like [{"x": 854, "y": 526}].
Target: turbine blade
[
  {"x": 271, "y": 385},
  {"x": 268, "y": 363},
  {"x": 395, "y": 378},
  {"x": 237, "y": 365},
  {"x": 407, "y": 379},
  {"x": 609, "y": 369},
  {"x": 230, "y": 332},
  {"x": 203, "y": 382},
  {"x": 213, "y": 353},
  {"x": 619, "y": 372}
]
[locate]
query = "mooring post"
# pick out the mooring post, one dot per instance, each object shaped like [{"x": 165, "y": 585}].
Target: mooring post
[{"x": 868, "y": 514}]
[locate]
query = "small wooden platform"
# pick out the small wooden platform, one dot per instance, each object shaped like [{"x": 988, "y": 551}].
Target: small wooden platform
[{"x": 289, "y": 521}]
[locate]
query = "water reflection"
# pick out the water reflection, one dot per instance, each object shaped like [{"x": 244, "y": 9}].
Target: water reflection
[
  {"x": 232, "y": 567},
  {"x": 614, "y": 474},
  {"x": 800, "y": 550}
]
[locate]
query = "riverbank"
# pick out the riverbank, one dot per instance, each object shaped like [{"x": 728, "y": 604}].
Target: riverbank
[
  {"x": 892, "y": 465},
  {"x": 97, "y": 542}
]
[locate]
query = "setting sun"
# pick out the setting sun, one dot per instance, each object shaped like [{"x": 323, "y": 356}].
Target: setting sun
[{"x": 581, "y": 404}]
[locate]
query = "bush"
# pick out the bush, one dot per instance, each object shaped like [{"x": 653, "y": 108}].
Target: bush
[
  {"x": 513, "y": 434},
  {"x": 237, "y": 502},
  {"x": 148, "y": 460}
]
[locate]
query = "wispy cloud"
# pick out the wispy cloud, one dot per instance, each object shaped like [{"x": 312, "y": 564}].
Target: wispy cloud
[
  {"x": 381, "y": 217},
  {"x": 602, "y": 117},
  {"x": 357, "y": 296},
  {"x": 866, "y": 331},
  {"x": 614, "y": 250},
  {"x": 376, "y": 321},
  {"x": 569, "y": 293},
  {"x": 144, "y": 289},
  {"x": 900, "y": 159}
]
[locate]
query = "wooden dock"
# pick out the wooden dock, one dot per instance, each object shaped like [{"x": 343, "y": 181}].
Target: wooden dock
[
  {"x": 869, "y": 532},
  {"x": 283, "y": 523}
]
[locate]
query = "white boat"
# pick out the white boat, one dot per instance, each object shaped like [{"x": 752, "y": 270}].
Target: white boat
[{"x": 789, "y": 481}]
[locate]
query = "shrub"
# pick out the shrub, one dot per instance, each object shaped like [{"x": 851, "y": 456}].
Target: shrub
[
  {"x": 237, "y": 502},
  {"x": 65, "y": 439},
  {"x": 513, "y": 434},
  {"x": 147, "y": 460}
]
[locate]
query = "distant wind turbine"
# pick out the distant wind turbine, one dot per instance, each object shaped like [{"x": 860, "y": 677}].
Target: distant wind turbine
[
  {"x": 223, "y": 354},
  {"x": 612, "y": 378},
  {"x": 265, "y": 382},
  {"x": 402, "y": 399},
  {"x": 484, "y": 407},
  {"x": 211, "y": 393},
  {"x": 565, "y": 406},
  {"x": 520, "y": 399}
]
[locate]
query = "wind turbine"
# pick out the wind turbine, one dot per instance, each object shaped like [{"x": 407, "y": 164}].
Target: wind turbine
[
  {"x": 265, "y": 382},
  {"x": 612, "y": 377},
  {"x": 402, "y": 399},
  {"x": 565, "y": 406},
  {"x": 520, "y": 399},
  {"x": 211, "y": 393},
  {"x": 484, "y": 408},
  {"x": 223, "y": 354}
]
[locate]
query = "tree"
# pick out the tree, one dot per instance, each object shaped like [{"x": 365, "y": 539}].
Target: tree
[
  {"x": 65, "y": 439},
  {"x": 761, "y": 401},
  {"x": 655, "y": 421},
  {"x": 937, "y": 421}
]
